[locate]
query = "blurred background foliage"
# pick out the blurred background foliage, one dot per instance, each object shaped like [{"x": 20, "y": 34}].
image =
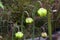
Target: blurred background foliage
[{"x": 14, "y": 9}]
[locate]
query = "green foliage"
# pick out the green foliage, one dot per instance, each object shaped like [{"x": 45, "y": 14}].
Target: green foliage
[
  {"x": 51, "y": 1},
  {"x": 17, "y": 8},
  {"x": 1, "y": 5}
]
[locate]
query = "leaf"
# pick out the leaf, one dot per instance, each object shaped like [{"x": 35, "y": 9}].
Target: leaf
[{"x": 1, "y": 5}]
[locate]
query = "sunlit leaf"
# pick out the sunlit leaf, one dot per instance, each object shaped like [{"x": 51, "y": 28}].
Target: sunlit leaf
[{"x": 1, "y": 5}]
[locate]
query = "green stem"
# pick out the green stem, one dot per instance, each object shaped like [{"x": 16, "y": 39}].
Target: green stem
[
  {"x": 33, "y": 15},
  {"x": 12, "y": 34},
  {"x": 49, "y": 26},
  {"x": 33, "y": 34},
  {"x": 22, "y": 22}
]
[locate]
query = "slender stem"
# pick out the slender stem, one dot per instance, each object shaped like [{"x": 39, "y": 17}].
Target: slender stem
[
  {"x": 18, "y": 28},
  {"x": 12, "y": 34},
  {"x": 27, "y": 13},
  {"x": 22, "y": 21},
  {"x": 49, "y": 26},
  {"x": 40, "y": 3},
  {"x": 33, "y": 28}
]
